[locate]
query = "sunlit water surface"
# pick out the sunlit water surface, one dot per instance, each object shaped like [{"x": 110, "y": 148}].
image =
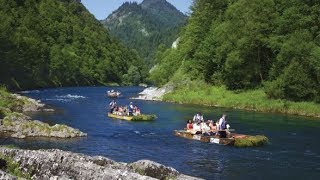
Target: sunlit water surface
[{"x": 294, "y": 152}]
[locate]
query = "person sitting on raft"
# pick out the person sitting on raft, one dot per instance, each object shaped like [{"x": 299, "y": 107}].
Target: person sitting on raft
[
  {"x": 196, "y": 129},
  {"x": 197, "y": 118},
  {"x": 213, "y": 128},
  {"x": 120, "y": 111},
  {"x": 207, "y": 128},
  {"x": 137, "y": 111},
  {"x": 189, "y": 126},
  {"x": 212, "y": 125}
]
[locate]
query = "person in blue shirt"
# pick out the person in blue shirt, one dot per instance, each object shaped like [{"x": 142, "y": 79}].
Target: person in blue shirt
[{"x": 131, "y": 107}]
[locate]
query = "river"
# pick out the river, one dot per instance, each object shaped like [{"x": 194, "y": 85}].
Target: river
[{"x": 294, "y": 151}]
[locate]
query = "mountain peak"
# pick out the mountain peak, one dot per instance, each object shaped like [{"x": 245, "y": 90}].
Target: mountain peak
[
  {"x": 154, "y": 3},
  {"x": 146, "y": 25}
]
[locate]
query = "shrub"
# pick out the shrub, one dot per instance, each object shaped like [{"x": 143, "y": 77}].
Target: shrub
[
  {"x": 294, "y": 84},
  {"x": 251, "y": 141}
]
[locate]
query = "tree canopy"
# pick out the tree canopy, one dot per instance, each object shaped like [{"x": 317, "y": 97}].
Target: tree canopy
[
  {"x": 242, "y": 44},
  {"x": 46, "y": 43}
]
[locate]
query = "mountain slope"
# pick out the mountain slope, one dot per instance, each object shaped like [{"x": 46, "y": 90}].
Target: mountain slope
[
  {"x": 47, "y": 43},
  {"x": 145, "y": 26},
  {"x": 274, "y": 44}
]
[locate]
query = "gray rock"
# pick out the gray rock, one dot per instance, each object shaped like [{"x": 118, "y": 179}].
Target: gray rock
[
  {"x": 30, "y": 105},
  {"x": 57, "y": 164},
  {"x": 17, "y": 117},
  {"x": 20, "y": 126},
  {"x": 6, "y": 176},
  {"x": 159, "y": 171},
  {"x": 18, "y": 135},
  {"x": 154, "y": 93},
  {"x": 153, "y": 169}
]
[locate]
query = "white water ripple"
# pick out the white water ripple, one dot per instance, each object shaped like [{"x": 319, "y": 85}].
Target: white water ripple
[
  {"x": 71, "y": 96},
  {"x": 66, "y": 98}
]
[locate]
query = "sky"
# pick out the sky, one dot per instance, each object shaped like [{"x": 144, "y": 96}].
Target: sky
[{"x": 102, "y": 8}]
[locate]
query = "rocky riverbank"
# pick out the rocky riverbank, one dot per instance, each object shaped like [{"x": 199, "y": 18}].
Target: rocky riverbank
[
  {"x": 154, "y": 93},
  {"x": 18, "y": 125},
  {"x": 57, "y": 164},
  {"x": 14, "y": 123}
]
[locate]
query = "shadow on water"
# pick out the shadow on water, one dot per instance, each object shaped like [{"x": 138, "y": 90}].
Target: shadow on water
[{"x": 294, "y": 151}]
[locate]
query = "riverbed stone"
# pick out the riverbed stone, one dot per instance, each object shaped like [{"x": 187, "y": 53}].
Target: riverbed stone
[
  {"x": 58, "y": 164},
  {"x": 6, "y": 176}
]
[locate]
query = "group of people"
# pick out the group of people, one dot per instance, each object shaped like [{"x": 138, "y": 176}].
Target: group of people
[
  {"x": 130, "y": 110},
  {"x": 199, "y": 126}
]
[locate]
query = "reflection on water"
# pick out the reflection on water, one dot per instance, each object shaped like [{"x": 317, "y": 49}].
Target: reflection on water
[{"x": 294, "y": 151}]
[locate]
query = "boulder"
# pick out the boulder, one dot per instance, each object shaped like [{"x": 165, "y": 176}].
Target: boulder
[
  {"x": 57, "y": 164},
  {"x": 159, "y": 171},
  {"x": 153, "y": 169}
]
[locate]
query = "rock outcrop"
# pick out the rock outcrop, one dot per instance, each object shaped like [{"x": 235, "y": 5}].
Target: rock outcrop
[
  {"x": 14, "y": 123},
  {"x": 20, "y": 126},
  {"x": 6, "y": 176},
  {"x": 29, "y": 104},
  {"x": 154, "y": 93},
  {"x": 57, "y": 164}
]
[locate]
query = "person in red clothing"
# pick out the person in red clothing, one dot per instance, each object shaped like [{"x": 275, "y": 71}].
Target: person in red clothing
[{"x": 189, "y": 125}]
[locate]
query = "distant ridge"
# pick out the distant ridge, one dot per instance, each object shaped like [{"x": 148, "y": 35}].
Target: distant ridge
[{"x": 146, "y": 25}]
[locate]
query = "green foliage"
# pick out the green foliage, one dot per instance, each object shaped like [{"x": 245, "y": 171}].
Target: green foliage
[
  {"x": 10, "y": 146},
  {"x": 144, "y": 117},
  {"x": 145, "y": 26},
  {"x": 294, "y": 84},
  {"x": 9, "y": 103},
  {"x": 251, "y": 141},
  {"x": 197, "y": 92},
  {"x": 247, "y": 45},
  {"x": 133, "y": 77},
  {"x": 58, "y": 43},
  {"x": 165, "y": 69},
  {"x": 13, "y": 168}
]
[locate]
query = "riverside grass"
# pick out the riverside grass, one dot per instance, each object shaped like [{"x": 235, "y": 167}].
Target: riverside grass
[
  {"x": 256, "y": 100},
  {"x": 4, "y": 97},
  {"x": 9, "y": 102}
]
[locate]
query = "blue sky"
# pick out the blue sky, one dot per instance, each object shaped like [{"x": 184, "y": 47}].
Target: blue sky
[{"x": 102, "y": 8}]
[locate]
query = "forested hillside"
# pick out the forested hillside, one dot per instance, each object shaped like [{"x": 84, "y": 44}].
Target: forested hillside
[
  {"x": 46, "y": 43},
  {"x": 145, "y": 26},
  {"x": 249, "y": 44}
]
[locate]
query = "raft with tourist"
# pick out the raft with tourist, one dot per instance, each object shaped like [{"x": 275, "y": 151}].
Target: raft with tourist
[
  {"x": 129, "y": 113},
  {"x": 218, "y": 133},
  {"x": 113, "y": 94}
]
